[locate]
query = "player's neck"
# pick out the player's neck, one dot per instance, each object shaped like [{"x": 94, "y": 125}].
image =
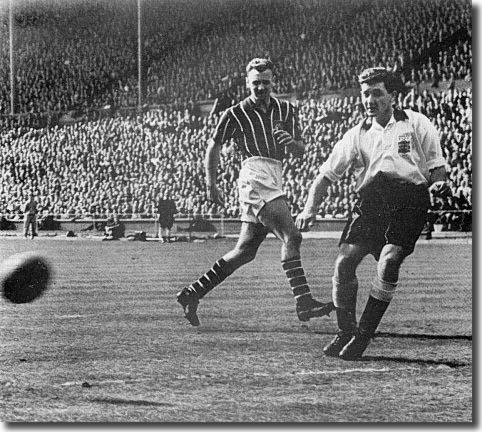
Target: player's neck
[
  {"x": 263, "y": 103},
  {"x": 383, "y": 118}
]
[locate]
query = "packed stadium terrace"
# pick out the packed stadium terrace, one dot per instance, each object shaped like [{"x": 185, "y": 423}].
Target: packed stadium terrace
[
  {"x": 82, "y": 55},
  {"x": 123, "y": 164}
]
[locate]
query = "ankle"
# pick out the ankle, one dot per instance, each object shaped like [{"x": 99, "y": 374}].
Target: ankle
[{"x": 304, "y": 300}]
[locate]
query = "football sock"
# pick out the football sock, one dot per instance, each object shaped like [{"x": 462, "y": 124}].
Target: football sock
[
  {"x": 296, "y": 277},
  {"x": 372, "y": 315},
  {"x": 345, "y": 294},
  {"x": 380, "y": 296},
  {"x": 210, "y": 279},
  {"x": 383, "y": 290},
  {"x": 344, "y": 299}
]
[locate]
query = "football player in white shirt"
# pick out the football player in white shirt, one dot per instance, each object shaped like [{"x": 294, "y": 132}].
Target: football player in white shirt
[{"x": 397, "y": 159}]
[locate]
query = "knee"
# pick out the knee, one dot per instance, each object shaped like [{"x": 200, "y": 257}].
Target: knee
[
  {"x": 391, "y": 260},
  {"x": 389, "y": 266},
  {"x": 294, "y": 239},
  {"x": 246, "y": 254}
]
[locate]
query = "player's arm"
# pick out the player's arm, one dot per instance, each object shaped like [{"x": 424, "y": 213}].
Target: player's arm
[
  {"x": 211, "y": 163},
  {"x": 316, "y": 194},
  {"x": 343, "y": 155},
  {"x": 438, "y": 181},
  {"x": 433, "y": 152},
  {"x": 291, "y": 139},
  {"x": 224, "y": 130},
  {"x": 438, "y": 174},
  {"x": 297, "y": 147}
]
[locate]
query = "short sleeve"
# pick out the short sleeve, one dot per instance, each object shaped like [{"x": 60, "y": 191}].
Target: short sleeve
[
  {"x": 225, "y": 129},
  {"x": 344, "y": 153},
  {"x": 430, "y": 142}
]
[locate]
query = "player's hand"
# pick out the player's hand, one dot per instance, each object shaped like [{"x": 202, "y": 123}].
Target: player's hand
[
  {"x": 440, "y": 189},
  {"x": 305, "y": 220},
  {"x": 215, "y": 195},
  {"x": 283, "y": 138}
]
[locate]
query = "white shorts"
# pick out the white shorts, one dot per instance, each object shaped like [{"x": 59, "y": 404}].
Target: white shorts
[{"x": 260, "y": 181}]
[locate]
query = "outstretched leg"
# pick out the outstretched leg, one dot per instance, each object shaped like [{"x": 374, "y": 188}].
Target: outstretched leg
[{"x": 250, "y": 238}]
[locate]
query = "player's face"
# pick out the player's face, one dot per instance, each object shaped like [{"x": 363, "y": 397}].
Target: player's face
[
  {"x": 260, "y": 84},
  {"x": 377, "y": 101}
]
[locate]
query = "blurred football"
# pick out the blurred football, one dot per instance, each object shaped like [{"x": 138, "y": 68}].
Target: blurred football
[{"x": 24, "y": 277}]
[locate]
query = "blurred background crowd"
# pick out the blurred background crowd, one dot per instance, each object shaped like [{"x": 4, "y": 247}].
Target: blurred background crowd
[{"x": 75, "y": 142}]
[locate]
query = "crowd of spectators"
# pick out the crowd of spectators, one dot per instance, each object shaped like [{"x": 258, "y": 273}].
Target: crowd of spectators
[
  {"x": 80, "y": 57},
  {"x": 124, "y": 164},
  {"x": 83, "y": 53}
]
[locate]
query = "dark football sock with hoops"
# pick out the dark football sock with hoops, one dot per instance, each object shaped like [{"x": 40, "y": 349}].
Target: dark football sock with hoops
[
  {"x": 211, "y": 278},
  {"x": 380, "y": 297},
  {"x": 372, "y": 315},
  {"x": 296, "y": 277}
]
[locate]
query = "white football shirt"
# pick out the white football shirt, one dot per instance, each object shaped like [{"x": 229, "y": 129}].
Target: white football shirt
[{"x": 406, "y": 149}]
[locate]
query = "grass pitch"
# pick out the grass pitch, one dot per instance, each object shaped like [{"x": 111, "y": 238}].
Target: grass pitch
[{"x": 108, "y": 342}]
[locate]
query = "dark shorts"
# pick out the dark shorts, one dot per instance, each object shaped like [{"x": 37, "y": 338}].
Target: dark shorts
[
  {"x": 387, "y": 213},
  {"x": 166, "y": 222}
]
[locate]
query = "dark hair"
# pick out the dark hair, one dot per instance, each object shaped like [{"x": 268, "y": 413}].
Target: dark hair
[
  {"x": 380, "y": 74},
  {"x": 260, "y": 64}
]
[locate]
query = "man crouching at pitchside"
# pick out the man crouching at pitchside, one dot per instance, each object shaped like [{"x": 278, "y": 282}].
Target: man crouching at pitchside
[
  {"x": 264, "y": 130},
  {"x": 397, "y": 159}
]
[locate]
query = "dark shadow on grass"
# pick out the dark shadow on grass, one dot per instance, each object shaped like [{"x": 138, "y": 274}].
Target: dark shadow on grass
[
  {"x": 306, "y": 329},
  {"x": 253, "y": 330},
  {"x": 413, "y": 336},
  {"x": 449, "y": 363},
  {"x": 120, "y": 401},
  {"x": 424, "y": 336}
]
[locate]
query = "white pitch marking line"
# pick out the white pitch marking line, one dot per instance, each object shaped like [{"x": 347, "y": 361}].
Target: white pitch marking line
[
  {"x": 337, "y": 371},
  {"x": 343, "y": 371},
  {"x": 108, "y": 381},
  {"x": 71, "y": 316},
  {"x": 74, "y": 383}
]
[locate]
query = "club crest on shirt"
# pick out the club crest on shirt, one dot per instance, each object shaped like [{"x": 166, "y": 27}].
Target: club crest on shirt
[{"x": 404, "y": 144}]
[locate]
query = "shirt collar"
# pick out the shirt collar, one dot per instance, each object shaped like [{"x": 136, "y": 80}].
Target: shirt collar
[
  {"x": 253, "y": 104},
  {"x": 398, "y": 115}
]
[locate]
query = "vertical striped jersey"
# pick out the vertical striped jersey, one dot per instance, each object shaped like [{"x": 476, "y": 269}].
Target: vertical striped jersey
[{"x": 252, "y": 128}]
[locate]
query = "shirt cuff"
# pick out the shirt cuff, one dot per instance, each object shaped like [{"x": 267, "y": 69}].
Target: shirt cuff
[
  {"x": 330, "y": 175},
  {"x": 435, "y": 163}
]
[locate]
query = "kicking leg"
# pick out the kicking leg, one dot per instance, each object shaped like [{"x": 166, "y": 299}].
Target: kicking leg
[{"x": 250, "y": 238}]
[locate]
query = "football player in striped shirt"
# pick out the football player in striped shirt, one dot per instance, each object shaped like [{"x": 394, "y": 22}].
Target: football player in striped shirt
[{"x": 265, "y": 129}]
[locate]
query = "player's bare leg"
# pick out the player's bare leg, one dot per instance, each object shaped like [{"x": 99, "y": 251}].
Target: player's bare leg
[
  {"x": 250, "y": 238},
  {"x": 276, "y": 216}
]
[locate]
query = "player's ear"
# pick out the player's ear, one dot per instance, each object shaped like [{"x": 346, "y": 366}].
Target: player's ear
[{"x": 394, "y": 96}]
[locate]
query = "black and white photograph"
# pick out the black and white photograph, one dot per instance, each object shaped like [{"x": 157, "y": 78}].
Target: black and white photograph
[{"x": 236, "y": 212}]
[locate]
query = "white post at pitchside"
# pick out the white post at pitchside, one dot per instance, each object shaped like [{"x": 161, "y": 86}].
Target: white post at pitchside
[
  {"x": 139, "y": 53},
  {"x": 222, "y": 225},
  {"x": 156, "y": 225},
  {"x": 12, "y": 70}
]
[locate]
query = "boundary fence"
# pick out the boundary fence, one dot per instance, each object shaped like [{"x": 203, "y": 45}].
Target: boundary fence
[{"x": 196, "y": 224}]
